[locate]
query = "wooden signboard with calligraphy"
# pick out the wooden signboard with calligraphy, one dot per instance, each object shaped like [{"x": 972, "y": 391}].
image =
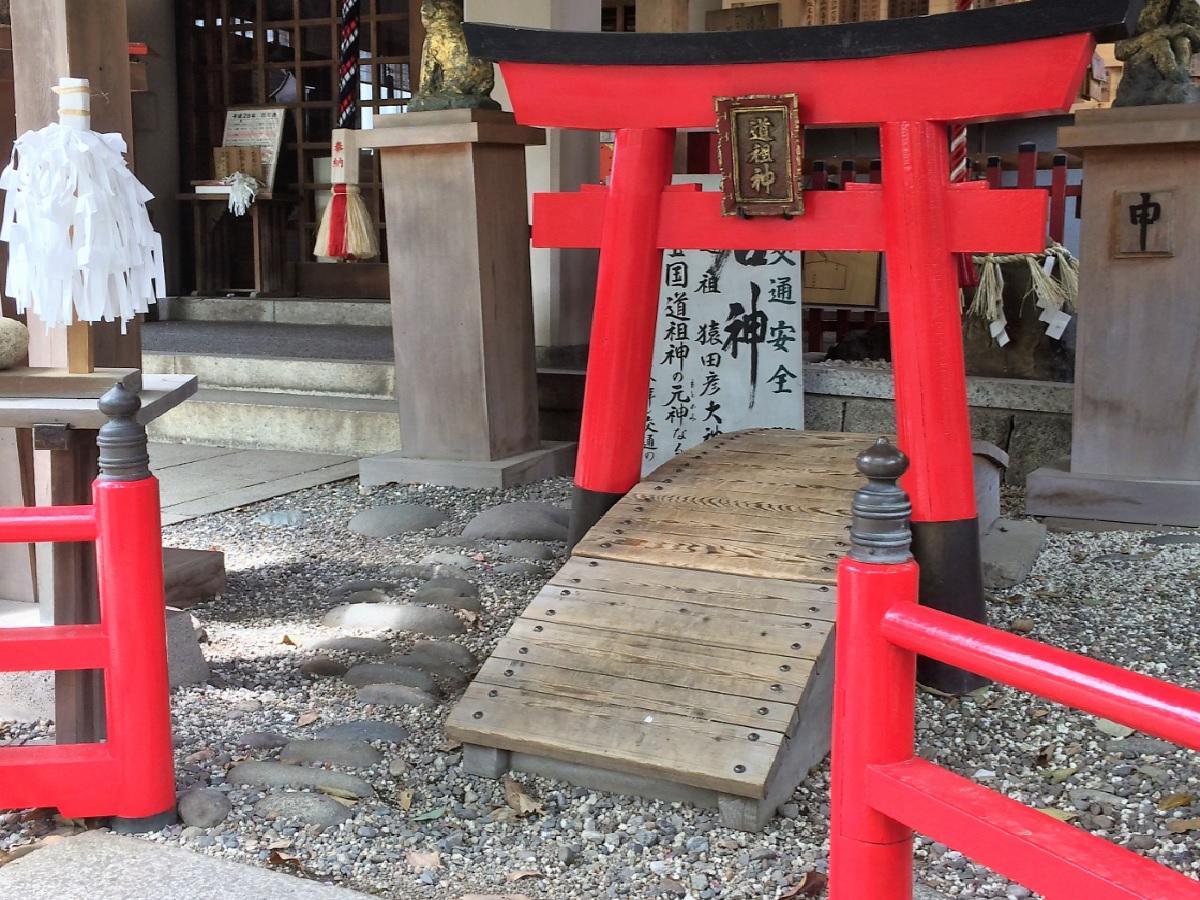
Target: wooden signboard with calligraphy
[
  {"x": 260, "y": 127},
  {"x": 1144, "y": 224},
  {"x": 760, "y": 151}
]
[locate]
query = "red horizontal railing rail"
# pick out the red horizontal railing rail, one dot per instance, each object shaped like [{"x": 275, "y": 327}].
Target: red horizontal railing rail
[
  {"x": 882, "y": 791},
  {"x": 130, "y": 775}
]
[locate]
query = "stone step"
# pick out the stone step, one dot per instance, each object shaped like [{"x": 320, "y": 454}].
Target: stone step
[
  {"x": 342, "y": 377},
  {"x": 346, "y": 426},
  {"x": 280, "y": 310}
]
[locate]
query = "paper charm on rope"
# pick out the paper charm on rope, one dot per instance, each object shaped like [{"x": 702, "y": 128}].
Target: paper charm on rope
[
  {"x": 243, "y": 190},
  {"x": 81, "y": 246},
  {"x": 1056, "y": 298}
]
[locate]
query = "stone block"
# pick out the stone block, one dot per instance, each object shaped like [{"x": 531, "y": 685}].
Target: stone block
[
  {"x": 191, "y": 576},
  {"x": 865, "y": 416},
  {"x": 822, "y": 413},
  {"x": 185, "y": 660},
  {"x": 1038, "y": 439},
  {"x": 1009, "y": 552},
  {"x": 992, "y": 425}
]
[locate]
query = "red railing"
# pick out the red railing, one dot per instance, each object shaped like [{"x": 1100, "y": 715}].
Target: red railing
[
  {"x": 130, "y": 775},
  {"x": 883, "y": 792}
]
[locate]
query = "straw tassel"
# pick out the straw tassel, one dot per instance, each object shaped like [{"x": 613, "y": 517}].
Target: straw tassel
[{"x": 346, "y": 230}]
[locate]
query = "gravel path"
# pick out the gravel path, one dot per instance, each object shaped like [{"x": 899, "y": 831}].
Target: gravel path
[{"x": 432, "y": 832}]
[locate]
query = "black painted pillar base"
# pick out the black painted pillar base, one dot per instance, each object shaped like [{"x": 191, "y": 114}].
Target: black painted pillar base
[
  {"x": 145, "y": 825},
  {"x": 588, "y": 508},
  {"x": 952, "y": 582}
]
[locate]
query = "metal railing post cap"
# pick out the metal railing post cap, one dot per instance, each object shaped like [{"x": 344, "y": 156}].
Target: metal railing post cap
[
  {"x": 122, "y": 440},
  {"x": 880, "y": 531}
]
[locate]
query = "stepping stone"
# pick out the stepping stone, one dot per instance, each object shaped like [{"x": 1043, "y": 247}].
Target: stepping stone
[
  {"x": 360, "y": 584},
  {"x": 303, "y": 808},
  {"x": 384, "y": 673},
  {"x": 323, "y": 667},
  {"x": 524, "y": 521},
  {"x": 411, "y": 570},
  {"x": 361, "y": 646},
  {"x": 440, "y": 560},
  {"x": 395, "y": 695},
  {"x": 352, "y": 754},
  {"x": 404, "y": 518},
  {"x": 526, "y": 550},
  {"x": 371, "y": 596},
  {"x": 261, "y": 740},
  {"x": 272, "y": 774},
  {"x": 442, "y": 659},
  {"x": 456, "y": 593},
  {"x": 370, "y": 730},
  {"x": 204, "y": 808},
  {"x": 1168, "y": 540},
  {"x": 282, "y": 518},
  {"x": 453, "y": 541},
  {"x": 418, "y": 619}
]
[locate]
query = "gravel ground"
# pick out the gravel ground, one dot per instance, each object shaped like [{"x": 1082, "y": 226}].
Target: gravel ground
[{"x": 433, "y": 832}]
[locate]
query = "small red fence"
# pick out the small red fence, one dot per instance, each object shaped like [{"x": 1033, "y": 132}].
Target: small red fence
[
  {"x": 130, "y": 774},
  {"x": 882, "y": 792}
]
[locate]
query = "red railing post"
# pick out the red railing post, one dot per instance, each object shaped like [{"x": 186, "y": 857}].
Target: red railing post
[
  {"x": 874, "y": 687},
  {"x": 132, "y": 611}
]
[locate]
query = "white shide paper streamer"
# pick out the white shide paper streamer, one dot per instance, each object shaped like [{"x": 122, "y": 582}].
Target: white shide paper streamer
[{"x": 81, "y": 245}]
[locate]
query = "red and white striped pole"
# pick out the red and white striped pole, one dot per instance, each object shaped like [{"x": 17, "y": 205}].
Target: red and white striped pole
[{"x": 968, "y": 276}]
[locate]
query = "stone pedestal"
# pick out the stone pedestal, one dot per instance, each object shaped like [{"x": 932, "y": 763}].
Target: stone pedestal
[
  {"x": 1136, "y": 430},
  {"x": 462, "y": 317}
]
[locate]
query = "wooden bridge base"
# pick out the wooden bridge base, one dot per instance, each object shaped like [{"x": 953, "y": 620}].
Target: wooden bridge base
[{"x": 685, "y": 651}]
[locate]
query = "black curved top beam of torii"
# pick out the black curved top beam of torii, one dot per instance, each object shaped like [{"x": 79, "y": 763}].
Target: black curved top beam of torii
[{"x": 1108, "y": 20}]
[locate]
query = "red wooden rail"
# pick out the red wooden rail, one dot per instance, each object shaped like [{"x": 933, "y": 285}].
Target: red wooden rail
[
  {"x": 882, "y": 792},
  {"x": 131, "y": 774}
]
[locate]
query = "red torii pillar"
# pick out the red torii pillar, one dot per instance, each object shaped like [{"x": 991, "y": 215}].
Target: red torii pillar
[{"x": 988, "y": 64}]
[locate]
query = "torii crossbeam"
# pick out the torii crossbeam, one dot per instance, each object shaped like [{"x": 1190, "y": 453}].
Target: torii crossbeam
[{"x": 909, "y": 77}]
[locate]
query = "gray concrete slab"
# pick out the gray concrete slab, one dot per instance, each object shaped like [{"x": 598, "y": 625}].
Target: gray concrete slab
[
  {"x": 98, "y": 865},
  {"x": 269, "y": 339}
]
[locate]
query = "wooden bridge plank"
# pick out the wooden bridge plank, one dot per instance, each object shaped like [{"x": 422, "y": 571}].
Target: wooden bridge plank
[
  {"x": 818, "y": 545},
  {"x": 749, "y": 520},
  {"x": 680, "y": 749},
  {"x": 634, "y": 689},
  {"x": 710, "y": 626},
  {"x": 765, "y": 669},
  {"x": 626, "y": 661},
  {"x": 819, "y": 513},
  {"x": 782, "y": 598}
]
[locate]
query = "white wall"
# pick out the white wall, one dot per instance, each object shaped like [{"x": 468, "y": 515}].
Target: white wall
[{"x": 564, "y": 282}]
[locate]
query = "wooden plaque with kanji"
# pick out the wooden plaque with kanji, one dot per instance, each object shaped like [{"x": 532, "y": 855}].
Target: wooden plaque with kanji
[{"x": 760, "y": 149}]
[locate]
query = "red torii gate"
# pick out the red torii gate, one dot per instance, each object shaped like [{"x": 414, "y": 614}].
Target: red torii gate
[{"x": 911, "y": 77}]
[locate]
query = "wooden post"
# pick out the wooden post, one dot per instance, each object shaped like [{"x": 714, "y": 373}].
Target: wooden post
[{"x": 82, "y": 39}]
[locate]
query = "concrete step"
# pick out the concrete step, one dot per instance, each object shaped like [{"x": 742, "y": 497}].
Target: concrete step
[
  {"x": 280, "y": 310},
  {"x": 342, "y": 377},
  {"x": 346, "y": 426},
  {"x": 97, "y": 865}
]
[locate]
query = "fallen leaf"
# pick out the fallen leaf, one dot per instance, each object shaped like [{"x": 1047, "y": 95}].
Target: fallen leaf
[
  {"x": 519, "y": 801},
  {"x": 1022, "y": 626},
  {"x": 307, "y": 719},
  {"x": 1058, "y": 776},
  {"x": 524, "y": 873},
  {"x": 1061, "y": 814},
  {"x": 1114, "y": 729},
  {"x": 419, "y": 860},
  {"x": 1039, "y": 713},
  {"x": 469, "y": 616},
  {"x": 1174, "y": 801},
  {"x": 811, "y": 884},
  {"x": 430, "y": 814},
  {"x": 285, "y": 859},
  {"x": 1045, "y": 756},
  {"x": 345, "y": 801},
  {"x": 338, "y": 793},
  {"x": 287, "y": 640},
  {"x": 449, "y": 746},
  {"x": 279, "y": 845},
  {"x": 1179, "y": 826},
  {"x": 406, "y": 799}
]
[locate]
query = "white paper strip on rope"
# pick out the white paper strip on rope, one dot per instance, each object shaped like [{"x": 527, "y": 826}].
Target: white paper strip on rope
[
  {"x": 728, "y": 352},
  {"x": 81, "y": 245}
]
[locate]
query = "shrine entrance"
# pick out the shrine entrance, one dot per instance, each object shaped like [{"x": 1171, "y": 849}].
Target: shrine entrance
[{"x": 683, "y": 650}]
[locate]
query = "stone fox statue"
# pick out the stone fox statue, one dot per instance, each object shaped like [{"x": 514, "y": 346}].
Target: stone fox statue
[
  {"x": 450, "y": 77},
  {"x": 1157, "y": 59}
]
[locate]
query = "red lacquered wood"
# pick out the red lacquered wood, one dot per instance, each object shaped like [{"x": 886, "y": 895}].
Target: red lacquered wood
[
  {"x": 965, "y": 85},
  {"x": 622, "y": 345},
  {"x": 1058, "y": 199},
  {"x": 80, "y": 780},
  {"x": 1164, "y": 710},
  {"x": 923, "y": 303},
  {"x": 29, "y": 525},
  {"x": 130, "y": 577},
  {"x": 1050, "y": 857},
  {"x": 977, "y": 221},
  {"x": 873, "y": 705},
  {"x": 53, "y": 648}
]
